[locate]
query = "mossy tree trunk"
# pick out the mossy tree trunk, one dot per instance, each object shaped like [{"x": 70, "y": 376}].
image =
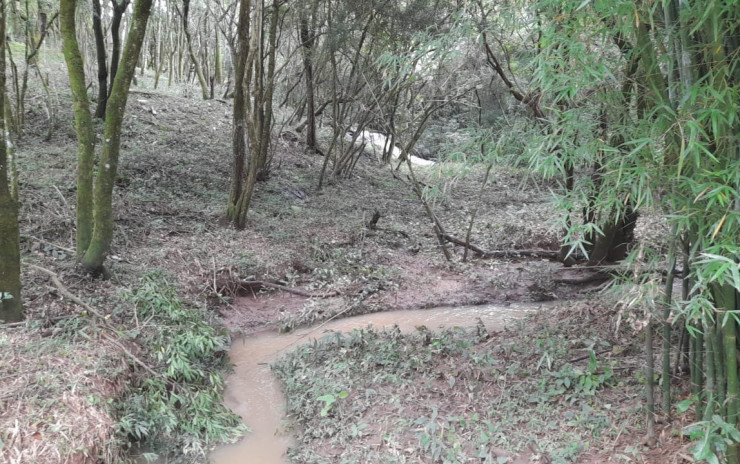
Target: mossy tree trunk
[
  {"x": 83, "y": 124},
  {"x": 95, "y": 235},
  {"x": 115, "y": 109},
  {"x": 11, "y": 308}
]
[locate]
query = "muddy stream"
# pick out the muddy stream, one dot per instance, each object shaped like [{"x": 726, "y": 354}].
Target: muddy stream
[{"x": 254, "y": 393}]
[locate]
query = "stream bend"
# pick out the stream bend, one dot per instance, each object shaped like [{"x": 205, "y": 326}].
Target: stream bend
[{"x": 254, "y": 393}]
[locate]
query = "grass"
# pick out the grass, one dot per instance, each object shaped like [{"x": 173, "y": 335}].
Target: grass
[{"x": 461, "y": 395}]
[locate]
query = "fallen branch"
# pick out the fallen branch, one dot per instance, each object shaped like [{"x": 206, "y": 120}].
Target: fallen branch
[
  {"x": 362, "y": 296},
  {"x": 133, "y": 357},
  {"x": 549, "y": 254},
  {"x": 259, "y": 284},
  {"x": 65, "y": 292},
  {"x": 50, "y": 320},
  {"x": 70, "y": 296},
  {"x": 41, "y": 240}
]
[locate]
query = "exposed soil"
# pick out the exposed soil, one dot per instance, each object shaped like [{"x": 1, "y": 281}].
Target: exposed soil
[{"x": 169, "y": 201}]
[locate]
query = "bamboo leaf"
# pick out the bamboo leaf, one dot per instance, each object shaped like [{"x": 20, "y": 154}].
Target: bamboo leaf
[{"x": 719, "y": 226}]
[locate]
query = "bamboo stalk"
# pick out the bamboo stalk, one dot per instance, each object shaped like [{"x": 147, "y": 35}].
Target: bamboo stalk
[
  {"x": 667, "y": 324},
  {"x": 649, "y": 384}
]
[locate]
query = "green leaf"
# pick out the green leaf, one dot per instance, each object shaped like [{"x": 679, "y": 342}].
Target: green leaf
[{"x": 684, "y": 405}]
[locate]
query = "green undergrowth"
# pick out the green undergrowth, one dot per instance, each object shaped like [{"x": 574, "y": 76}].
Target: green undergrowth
[
  {"x": 454, "y": 396},
  {"x": 181, "y": 408}
]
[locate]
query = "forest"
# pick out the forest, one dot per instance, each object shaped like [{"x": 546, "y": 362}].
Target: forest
[{"x": 387, "y": 231}]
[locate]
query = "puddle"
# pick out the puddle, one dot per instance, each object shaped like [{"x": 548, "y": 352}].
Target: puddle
[{"x": 254, "y": 393}]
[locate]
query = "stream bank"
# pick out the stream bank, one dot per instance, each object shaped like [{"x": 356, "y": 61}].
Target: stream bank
[
  {"x": 560, "y": 385},
  {"x": 254, "y": 393}
]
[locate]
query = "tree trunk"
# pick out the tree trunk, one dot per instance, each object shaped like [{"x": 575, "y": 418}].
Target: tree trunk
[
  {"x": 102, "y": 59},
  {"x": 83, "y": 125},
  {"x": 260, "y": 119},
  {"x": 613, "y": 244},
  {"x": 191, "y": 52},
  {"x": 239, "y": 134},
  {"x": 668, "y": 303},
  {"x": 649, "y": 384},
  {"x": 160, "y": 47},
  {"x": 307, "y": 41},
  {"x": 102, "y": 213},
  {"x": 118, "y": 10},
  {"x": 11, "y": 308},
  {"x": 218, "y": 60}
]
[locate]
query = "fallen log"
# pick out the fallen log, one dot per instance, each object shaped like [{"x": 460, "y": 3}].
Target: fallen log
[{"x": 548, "y": 254}]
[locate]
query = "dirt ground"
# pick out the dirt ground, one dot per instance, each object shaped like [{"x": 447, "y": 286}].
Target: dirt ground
[{"x": 169, "y": 203}]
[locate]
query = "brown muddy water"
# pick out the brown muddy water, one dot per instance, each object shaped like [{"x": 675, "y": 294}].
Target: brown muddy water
[{"x": 254, "y": 393}]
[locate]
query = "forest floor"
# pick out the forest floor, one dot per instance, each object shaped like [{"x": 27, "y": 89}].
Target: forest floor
[{"x": 58, "y": 374}]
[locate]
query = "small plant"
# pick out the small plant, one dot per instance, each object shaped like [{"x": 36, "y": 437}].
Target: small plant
[
  {"x": 579, "y": 381},
  {"x": 181, "y": 408},
  {"x": 329, "y": 401},
  {"x": 714, "y": 437}
]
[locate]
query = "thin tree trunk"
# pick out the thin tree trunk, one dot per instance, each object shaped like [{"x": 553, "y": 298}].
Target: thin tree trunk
[
  {"x": 11, "y": 307},
  {"x": 102, "y": 59},
  {"x": 649, "y": 384},
  {"x": 306, "y": 34},
  {"x": 710, "y": 388},
  {"x": 260, "y": 120},
  {"x": 218, "y": 60},
  {"x": 726, "y": 297},
  {"x": 191, "y": 52},
  {"x": 118, "y": 10}
]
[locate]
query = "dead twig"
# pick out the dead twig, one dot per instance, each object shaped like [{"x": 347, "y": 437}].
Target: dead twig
[
  {"x": 64, "y": 200},
  {"x": 133, "y": 357}
]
